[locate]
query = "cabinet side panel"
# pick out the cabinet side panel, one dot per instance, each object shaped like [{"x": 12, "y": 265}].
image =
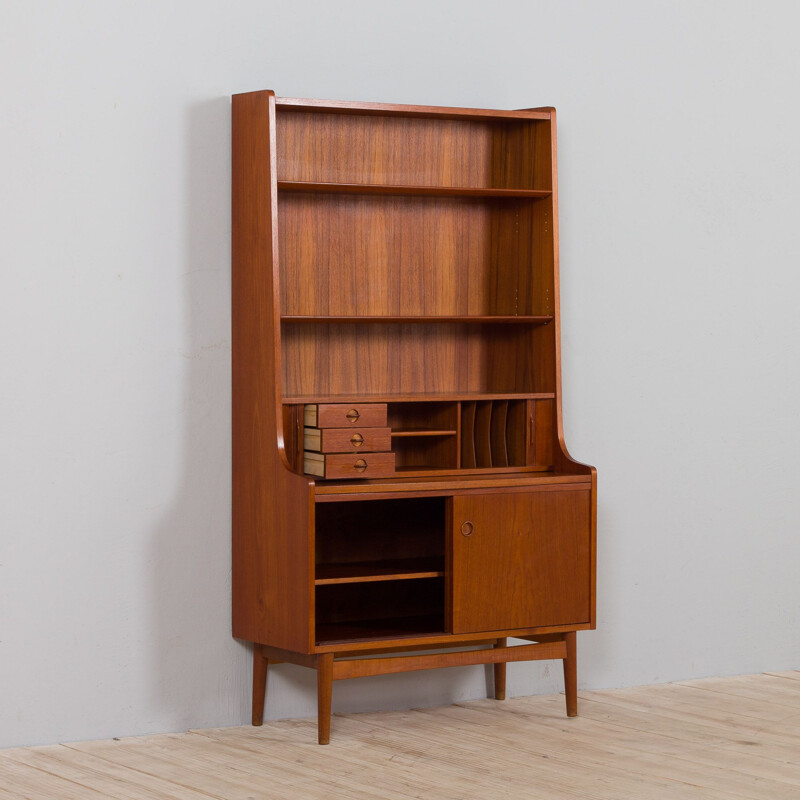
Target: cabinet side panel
[{"x": 272, "y": 509}]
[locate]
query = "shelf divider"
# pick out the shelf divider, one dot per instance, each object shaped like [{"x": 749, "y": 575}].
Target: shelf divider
[
  {"x": 372, "y": 571},
  {"x": 470, "y": 319}
]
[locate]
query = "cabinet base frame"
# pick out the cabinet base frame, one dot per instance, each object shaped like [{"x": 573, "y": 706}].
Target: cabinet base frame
[{"x": 341, "y": 665}]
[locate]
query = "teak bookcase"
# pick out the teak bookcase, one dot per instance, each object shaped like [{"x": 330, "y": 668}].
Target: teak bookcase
[{"x": 400, "y": 479}]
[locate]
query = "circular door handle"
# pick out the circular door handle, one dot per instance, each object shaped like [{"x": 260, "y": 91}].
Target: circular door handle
[
  {"x": 467, "y": 528},
  {"x": 360, "y": 465},
  {"x": 353, "y": 415},
  {"x": 356, "y": 440}
]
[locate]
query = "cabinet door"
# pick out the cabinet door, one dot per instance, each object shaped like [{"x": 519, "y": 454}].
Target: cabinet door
[{"x": 520, "y": 560}]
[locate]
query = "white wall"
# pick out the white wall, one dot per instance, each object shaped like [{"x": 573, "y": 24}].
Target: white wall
[{"x": 679, "y": 219}]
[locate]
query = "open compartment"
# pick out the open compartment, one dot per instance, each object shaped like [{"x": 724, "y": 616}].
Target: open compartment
[
  {"x": 422, "y": 151},
  {"x": 389, "y": 255},
  {"x": 352, "y": 360},
  {"x": 494, "y": 434},
  {"x": 424, "y": 435},
  {"x": 379, "y": 610},
  {"x": 380, "y": 531},
  {"x": 379, "y": 566}
]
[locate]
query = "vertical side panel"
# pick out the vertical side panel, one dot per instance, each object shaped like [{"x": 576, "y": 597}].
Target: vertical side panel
[
  {"x": 563, "y": 461},
  {"x": 498, "y": 433},
  {"x": 272, "y": 507},
  {"x": 545, "y": 433},
  {"x": 483, "y": 439},
  {"x": 468, "y": 435},
  {"x": 517, "y": 432}
]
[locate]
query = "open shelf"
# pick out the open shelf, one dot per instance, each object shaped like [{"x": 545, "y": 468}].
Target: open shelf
[
  {"x": 386, "y": 570},
  {"x": 415, "y": 397},
  {"x": 394, "y": 628},
  {"x": 302, "y": 104},
  {"x": 392, "y": 188},
  {"x": 421, "y": 432},
  {"x": 473, "y": 319}
]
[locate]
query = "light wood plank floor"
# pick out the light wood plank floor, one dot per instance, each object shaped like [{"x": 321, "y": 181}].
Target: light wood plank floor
[{"x": 711, "y": 739}]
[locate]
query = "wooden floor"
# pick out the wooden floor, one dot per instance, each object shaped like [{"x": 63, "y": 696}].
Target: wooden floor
[{"x": 712, "y": 738}]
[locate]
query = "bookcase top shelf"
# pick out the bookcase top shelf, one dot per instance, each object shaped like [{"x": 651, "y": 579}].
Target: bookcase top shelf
[
  {"x": 399, "y": 188},
  {"x": 391, "y": 109}
]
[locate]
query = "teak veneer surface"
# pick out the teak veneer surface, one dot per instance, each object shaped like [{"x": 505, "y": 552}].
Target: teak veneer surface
[{"x": 339, "y": 107}]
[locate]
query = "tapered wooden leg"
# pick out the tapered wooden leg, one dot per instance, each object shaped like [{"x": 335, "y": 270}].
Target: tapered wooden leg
[
  {"x": 571, "y": 674},
  {"x": 324, "y": 687},
  {"x": 500, "y": 675},
  {"x": 260, "y": 665}
]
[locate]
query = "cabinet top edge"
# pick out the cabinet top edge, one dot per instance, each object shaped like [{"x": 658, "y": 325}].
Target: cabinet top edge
[{"x": 393, "y": 109}]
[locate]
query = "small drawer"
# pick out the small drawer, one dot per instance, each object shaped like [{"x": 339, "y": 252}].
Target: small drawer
[
  {"x": 345, "y": 415},
  {"x": 344, "y": 440},
  {"x": 349, "y": 465}
]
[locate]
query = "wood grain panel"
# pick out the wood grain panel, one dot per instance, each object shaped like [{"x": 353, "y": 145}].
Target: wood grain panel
[
  {"x": 351, "y": 148},
  {"x": 468, "y": 460},
  {"x": 345, "y": 415},
  {"x": 483, "y": 437},
  {"x": 520, "y": 560},
  {"x": 272, "y": 585},
  {"x": 359, "y": 361},
  {"x": 544, "y": 434},
  {"x": 360, "y": 255},
  {"x": 359, "y": 466},
  {"x": 359, "y": 668},
  {"x": 516, "y": 433},
  {"x": 346, "y": 440},
  {"x": 498, "y": 433}
]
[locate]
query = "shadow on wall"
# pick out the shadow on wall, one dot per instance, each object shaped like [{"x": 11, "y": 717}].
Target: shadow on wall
[{"x": 200, "y": 675}]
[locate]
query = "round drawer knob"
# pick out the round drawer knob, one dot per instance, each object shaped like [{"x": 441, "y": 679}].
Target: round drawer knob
[
  {"x": 356, "y": 440},
  {"x": 360, "y": 465},
  {"x": 353, "y": 415},
  {"x": 467, "y": 528}
]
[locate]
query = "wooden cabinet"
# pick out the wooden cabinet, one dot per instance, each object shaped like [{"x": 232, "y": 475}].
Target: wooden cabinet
[{"x": 400, "y": 478}]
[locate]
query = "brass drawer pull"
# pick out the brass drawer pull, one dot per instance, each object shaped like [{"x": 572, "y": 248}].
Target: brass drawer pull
[
  {"x": 356, "y": 440},
  {"x": 467, "y": 528},
  {"x": 360, "y": 465},
  {"x": 353, "y": 415}
]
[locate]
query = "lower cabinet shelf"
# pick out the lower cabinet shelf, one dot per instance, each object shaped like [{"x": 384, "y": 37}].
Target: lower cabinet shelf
[{"x": 368, "y": 571}]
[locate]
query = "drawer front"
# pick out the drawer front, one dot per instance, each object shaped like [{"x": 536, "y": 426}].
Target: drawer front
[
  {"x": 345, "y": 415},
  {"x": 350, "y": 465},
  {"x": 345, "y": 440}
]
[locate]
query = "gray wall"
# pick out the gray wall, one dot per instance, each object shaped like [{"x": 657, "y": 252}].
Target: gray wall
[{"x": 679, "y": 222}]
